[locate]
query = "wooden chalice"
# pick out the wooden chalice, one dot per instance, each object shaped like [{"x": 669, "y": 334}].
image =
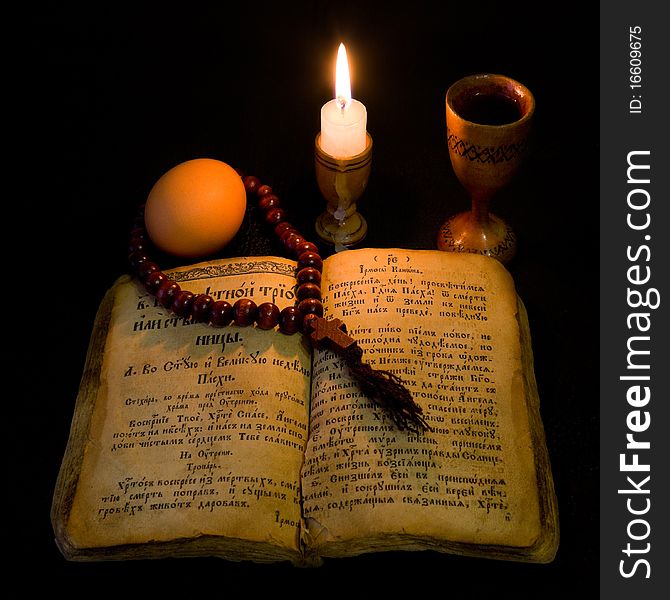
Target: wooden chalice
[{"x": 488, "y": 124}]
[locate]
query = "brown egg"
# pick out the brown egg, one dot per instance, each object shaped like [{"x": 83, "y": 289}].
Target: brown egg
[{"x": 196, "y": 208}]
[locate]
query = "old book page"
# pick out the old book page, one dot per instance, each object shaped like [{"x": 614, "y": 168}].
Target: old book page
[
  {"x": 447, "y": 324},
  {"x": 196, "y": 434}
]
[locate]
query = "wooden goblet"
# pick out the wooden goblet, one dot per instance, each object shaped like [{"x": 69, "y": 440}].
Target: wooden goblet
[{"x": 488, "y": 125}]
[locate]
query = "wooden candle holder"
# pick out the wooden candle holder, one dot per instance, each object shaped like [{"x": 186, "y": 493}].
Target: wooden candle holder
[{"x": 342, "y": 182}]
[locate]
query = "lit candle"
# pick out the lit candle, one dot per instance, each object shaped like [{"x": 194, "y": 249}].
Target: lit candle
[{"x": 343, "y": 120}]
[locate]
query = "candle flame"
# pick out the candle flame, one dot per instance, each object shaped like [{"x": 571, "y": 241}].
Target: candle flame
[{"x": 342, "y": 80}]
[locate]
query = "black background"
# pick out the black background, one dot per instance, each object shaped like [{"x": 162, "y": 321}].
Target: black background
[{"x": 120, "y": 95}]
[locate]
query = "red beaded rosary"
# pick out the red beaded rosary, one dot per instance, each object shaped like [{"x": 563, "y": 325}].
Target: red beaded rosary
[{"x": 382, "y": 387}]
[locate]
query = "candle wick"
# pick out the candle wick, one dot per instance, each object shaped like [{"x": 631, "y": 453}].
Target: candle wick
[{"x": 341, "y": 102}]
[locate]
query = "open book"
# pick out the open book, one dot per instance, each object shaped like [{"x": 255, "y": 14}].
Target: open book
[{"x": 235, "y": 442}]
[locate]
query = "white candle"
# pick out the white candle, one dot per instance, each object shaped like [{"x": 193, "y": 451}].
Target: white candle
[{"x": 343, "y": 120}]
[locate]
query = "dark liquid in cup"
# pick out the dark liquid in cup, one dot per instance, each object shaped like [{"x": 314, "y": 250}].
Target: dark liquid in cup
[{"x": 489, "y": 109}]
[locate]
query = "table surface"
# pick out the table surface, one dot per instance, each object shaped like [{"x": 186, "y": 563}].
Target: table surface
[{"x": 124, "y": 96}]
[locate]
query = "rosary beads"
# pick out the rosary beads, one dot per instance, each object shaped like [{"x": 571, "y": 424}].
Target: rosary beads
[{"x": 383, "y": 387}]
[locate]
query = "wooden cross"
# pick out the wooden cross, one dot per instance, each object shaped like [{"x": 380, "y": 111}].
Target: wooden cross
[{"x": 330, "y": 333}]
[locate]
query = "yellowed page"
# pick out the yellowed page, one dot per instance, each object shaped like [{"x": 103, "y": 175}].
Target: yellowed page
[
  {"x": 196, "y": 430},
  {"x": 447, "y": 324}
]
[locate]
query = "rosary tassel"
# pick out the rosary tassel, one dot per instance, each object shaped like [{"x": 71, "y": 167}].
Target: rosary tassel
[{"x": 386, "y": 390}]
